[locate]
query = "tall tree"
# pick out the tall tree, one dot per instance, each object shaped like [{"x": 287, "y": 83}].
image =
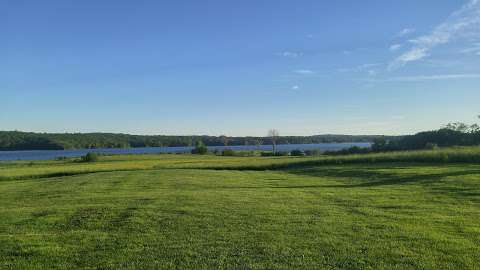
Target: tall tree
[{"x": 457, "y": 126}]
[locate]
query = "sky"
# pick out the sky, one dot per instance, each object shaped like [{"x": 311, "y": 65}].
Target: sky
[{"x": 238, "y": 68}]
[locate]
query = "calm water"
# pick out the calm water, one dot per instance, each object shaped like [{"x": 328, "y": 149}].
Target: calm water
[{"x": 52, "y": 154}]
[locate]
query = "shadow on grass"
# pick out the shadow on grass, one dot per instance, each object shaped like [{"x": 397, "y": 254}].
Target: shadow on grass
[
  {"x": 372, "y": 177},
  {"x": 472, "y": 194},
  {"x": 62, "y": 174},
  {"x": 381, "y": 175}
]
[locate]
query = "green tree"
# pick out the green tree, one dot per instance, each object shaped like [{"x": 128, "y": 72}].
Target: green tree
[
  {"x": 379, "y": 144},
  {"x": 90, "y": 157},
  {"x": 457, "y": 126},
  {"x": 200, "y": 148}
]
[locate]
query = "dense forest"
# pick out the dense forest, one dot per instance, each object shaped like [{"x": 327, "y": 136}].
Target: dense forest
[
  {"x": 16, "y": 140},
  {"x": 454, "y": 134}
]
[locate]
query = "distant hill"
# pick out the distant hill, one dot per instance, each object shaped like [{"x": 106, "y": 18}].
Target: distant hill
[{"x": 16, "y": 140}]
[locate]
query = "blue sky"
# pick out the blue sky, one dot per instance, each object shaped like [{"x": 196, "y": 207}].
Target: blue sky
[{"x": 239, "y": 67}]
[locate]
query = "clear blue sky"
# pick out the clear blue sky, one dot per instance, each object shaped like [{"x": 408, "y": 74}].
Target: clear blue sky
[{"x": 238, "y": 67}]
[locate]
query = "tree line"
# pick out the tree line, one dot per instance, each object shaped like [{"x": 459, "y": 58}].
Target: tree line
[
  {"x": 16, "y": 140},
  {"x": 453, "y": 134}
]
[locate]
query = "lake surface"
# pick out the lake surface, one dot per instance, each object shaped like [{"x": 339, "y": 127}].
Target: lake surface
[{"x": 52, "y": 154}]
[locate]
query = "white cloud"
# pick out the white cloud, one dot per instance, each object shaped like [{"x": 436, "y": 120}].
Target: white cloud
[
  {"x": 290, "y": 54},
  {"x": 360, "y": 68},
  {"x": 304, "y": 72},
  {"x": 464, "y": 23},
  {"x": 413, "y": 55},
  {"x": 436, "y": 77},
  {"x": 395, "y": 47},
  {"x": 405, "y": 32},
  {"x": 295, "y": 87},
  {"x": 365, "y": 66}
]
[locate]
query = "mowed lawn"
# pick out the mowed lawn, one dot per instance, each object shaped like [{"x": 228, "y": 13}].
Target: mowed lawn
[{"x": 357, "y": 216}]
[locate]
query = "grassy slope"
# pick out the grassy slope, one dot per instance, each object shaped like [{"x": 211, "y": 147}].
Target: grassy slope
[
  {"x": 43, "y": 169},
  {"x": 382, "y": 216}
]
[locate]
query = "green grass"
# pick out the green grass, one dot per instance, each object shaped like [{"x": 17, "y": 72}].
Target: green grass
[
  {"x": 43, "y": 169},
  {"x": 180, "y": 211}
]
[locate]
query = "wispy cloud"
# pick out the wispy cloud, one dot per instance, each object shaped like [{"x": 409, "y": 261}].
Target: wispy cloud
[
  {"x": 474, "y": 49},
  {"x": 367, "y": 66},
  {"x": 290, "y": 54},
  {"x": 301, "y": 74},
  {"x": 463, "y": 23},
  {"x": 405, "y": 32},
  {"x": 304, "y": 72},
  {"x": 421, "y": 78},
  {"x": 395, "y": 47},
  {"x": 295, "y": 87},
  {"x": 412, "y": 55},
  {"x": 360, "y": 68}
]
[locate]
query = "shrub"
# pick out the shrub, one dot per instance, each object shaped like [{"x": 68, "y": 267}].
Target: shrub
[
  {"x": 349, "y": 151},
  {"x": 266, "y": 154},
  {"x": 431, "y": 146},
  {"x": 200, "y": 149},
  {"x": 90, "y": 157},
  {"x": 313, "y": 152},
  {"x": 282, "y": 153},
  {"x": 297, "y": 153},
  {"x": 246, "y": 153},
  {"x": 228, "y": 153}
]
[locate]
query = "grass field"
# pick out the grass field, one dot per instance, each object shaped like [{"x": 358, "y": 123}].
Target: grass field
[{"x": 205, "y": 212}]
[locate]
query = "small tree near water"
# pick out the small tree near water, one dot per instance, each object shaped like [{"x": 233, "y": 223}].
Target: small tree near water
[
  {"x": 90, "y": 157},
  {"x": 200, "y": 149},
  {"x": 273, "y": 134}
]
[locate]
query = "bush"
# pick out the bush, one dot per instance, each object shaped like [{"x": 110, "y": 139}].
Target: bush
[
  {"x": 246, "y": 153},
  {"x": 203, "y": 150},
  {"x": 228, "y": 153},
  {"x": 200, "y": 149},
  {"x": 297, "y": 153},
  {"x": 90, "y": 157},
  {"x": 313, "y": 152},
  {"x": 266, "y": 154},
  {"x": 276, "y": 154},
  {"x": 431, "y": 146},
  {"x": 349, "y": 151}
]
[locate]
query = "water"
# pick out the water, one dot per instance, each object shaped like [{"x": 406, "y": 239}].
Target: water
[{"x": 52, "y": 154}]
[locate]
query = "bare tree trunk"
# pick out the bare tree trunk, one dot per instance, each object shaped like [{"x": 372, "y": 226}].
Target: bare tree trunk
[{"x": 273, "y": 134}]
